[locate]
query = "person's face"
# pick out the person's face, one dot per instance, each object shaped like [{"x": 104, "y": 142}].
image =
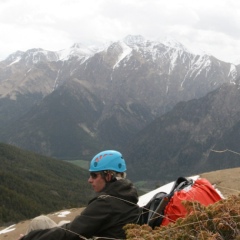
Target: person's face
[{"x": 97, "y": 181}]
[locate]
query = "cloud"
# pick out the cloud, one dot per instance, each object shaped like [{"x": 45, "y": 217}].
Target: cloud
[{"x": 211, "y": 26}]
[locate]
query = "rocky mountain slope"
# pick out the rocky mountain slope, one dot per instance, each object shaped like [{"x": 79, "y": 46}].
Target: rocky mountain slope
[
  {"x": 97, "y": 98},
  {"x": 193, "y": 137}
]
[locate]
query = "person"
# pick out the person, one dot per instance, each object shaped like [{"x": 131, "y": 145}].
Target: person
[{"x": 114, "y": 205}]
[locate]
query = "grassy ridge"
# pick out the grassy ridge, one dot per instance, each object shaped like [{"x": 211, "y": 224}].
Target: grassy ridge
[
  {"x": 80, "y": 163},
  {"x": 31, "y": 184}
]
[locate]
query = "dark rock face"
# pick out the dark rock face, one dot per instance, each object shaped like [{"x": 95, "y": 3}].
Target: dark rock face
[{"x": 194, "y": 137}]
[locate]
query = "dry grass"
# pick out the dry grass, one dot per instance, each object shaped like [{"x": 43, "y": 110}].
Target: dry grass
[{"x": 227, "y": 181}]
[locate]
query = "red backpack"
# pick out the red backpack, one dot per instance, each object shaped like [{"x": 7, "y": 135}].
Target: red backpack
[
  {"x": 164, "y": 208},
  {"x": 201, "y": 191}
]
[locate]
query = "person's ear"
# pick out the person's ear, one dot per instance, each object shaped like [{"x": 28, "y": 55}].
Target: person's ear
[{"x": 108, "y": 177}]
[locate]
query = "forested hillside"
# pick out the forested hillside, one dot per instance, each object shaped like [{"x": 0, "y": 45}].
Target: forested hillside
[{"x": 32, "y": 184}]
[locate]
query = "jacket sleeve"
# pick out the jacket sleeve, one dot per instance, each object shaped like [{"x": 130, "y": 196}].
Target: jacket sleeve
[
  {"x": 95, "y": 215},
  {"x": 51, "y": 234},
  {"x": 87, "y": 224}
]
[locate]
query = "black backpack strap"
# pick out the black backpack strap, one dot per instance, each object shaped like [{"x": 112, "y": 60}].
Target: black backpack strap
[
  {"x": 156, "y": 216},
  {"x": 149, "y": 209},
  {"x": 179, "y": 184},
  {"x": 154, "y": 204}
]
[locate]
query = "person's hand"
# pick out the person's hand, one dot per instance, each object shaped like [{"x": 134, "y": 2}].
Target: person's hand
[{"x": 20, "y": 237}]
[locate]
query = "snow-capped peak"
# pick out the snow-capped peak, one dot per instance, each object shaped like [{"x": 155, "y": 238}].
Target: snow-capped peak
[
  {"x": 171, "y": 42},
  {"x": 31, "y": 56},
  {"x": 78, "y": 50},
  {"x": 14, "y": 57}
]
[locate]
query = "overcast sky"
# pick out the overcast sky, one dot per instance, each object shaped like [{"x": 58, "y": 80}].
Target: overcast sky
[{"x": 211, "y": 26}]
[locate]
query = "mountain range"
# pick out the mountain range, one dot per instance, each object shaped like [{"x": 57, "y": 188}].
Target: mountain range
[{"x": 150, "y": 100}]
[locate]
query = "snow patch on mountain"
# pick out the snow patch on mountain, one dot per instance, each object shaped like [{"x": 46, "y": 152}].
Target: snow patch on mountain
[
  {"x": 15, "y": 61},
  {"x": 56, "y": 83},
  {"x": 233, "y": 73},
  {"x": 198, "y": 64},
  {"x": 173, "y": 61},
  {"x": 126, "y": 50}
]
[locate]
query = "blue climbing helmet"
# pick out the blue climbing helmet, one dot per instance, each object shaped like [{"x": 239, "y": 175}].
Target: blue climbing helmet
[{"x": 108, "y": 160}]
